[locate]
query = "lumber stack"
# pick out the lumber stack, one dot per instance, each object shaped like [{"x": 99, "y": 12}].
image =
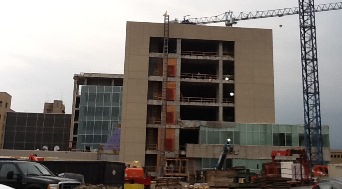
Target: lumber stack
[
  {"x": 221, "y": 178},
  {"x": 168, "y": 182}
]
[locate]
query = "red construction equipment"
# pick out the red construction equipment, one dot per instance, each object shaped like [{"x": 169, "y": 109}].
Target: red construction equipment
[
  {"x": 320, "y": 170},
  {"x": 136, "y": 175},
  {"x": 273, "y": 169},
  {"x": 34, "y": 157}
]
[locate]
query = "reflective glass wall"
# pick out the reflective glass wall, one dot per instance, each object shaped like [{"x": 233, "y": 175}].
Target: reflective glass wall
[
  {"x": 255, "y": 134},
  {"x": 100, "y": 114},
  {"x": 259, "y": 134}
]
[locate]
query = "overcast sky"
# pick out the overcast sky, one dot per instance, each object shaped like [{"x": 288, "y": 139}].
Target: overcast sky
[{"x": 43, "y": 43}]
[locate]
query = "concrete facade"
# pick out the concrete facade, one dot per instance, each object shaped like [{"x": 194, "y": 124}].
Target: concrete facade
[
  {"x": 336, "y": 156},
  {"x": 5, "y": 106},
  {"x": 247, "y": 53},
  {"x": 56, "y": 107}
]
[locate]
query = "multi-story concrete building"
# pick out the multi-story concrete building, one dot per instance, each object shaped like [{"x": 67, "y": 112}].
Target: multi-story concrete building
[
  {"x": 336, "y": 156},
  {"x": 5, "y": 106},
  {"x": 57, "y": 107},
  {"x": 96, "y": 109},
  {"x": 217, "y": 78}
]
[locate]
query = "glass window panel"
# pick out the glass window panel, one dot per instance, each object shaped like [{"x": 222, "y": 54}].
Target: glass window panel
[
  {"x": 99, "y": 99},
  {"x": 80, "y": 139},
  {"x": 236, "y": 139},
  {"x": 119, "y": 117},
  {"x": 249, "y": 128},
  {"x": 269, "y": 128},
  {"x": 97, "y": 139},
  {"x": 326, "y": 141},
  {"x": 115, "y": 112},
  {"x": 92, "y": 97},
  {"x": 89, "y": 138},
  {"x": 104, "y": 138},
  {"x": 100, "y": 89},
  {"x": 263, "y": 139},
  {"x": 243, "y": 138},
  {"x": 116, "y": 97},
  {"x": 106, "y": 99},
  {"x": 282, "y": 129},
  {"x": 294, "y": 129},
  {"x": 90, "y": 127},
  {"x": 81, "y": 127},
  {"x": 300, "y": 129},
  {"x": 98, "y": 127},
  {"x": 202, "y": 137},
  {"x": 256, "y": 138},
  {"x": 114, "y": 125},
  {"x": 239, "y": 162},
  {"x": 108, "y": 89},
  {"x": 117, "y": 89},
  {"x": 106, "y": 113},
  {"x": 301, "y": 139},
  {"x": 84, "y": 89},
  {"x": 295, "y": 139},
  {"x": 288, "y": 128},
  {"x": 83, "y": 111},
  {"x": 249, "y": 138},
  {"x": 275, "y": 128},
  {"x": 256, "y": 128},
  {"x": 225, "y": 135},
  {"x": 263, "y": 128},
  {"x": 212, "y": 139},
  {"x": 288, "y": 139},
  {"x": 98, "y": 113},
  {"x": 105, "y": 127},
  {"x": 91, "y": 88},
  {"x": 278, "y": 139},
  {"x": 84, "y": 98},
  {"x": 242, "y": 128}
]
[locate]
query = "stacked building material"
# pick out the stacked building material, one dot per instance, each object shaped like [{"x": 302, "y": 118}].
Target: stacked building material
[
  {"x": 221, "y": 178},
  {"x": 168, "y": 182}
]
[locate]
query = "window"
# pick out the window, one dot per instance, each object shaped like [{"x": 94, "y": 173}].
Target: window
[
  {"x": 6, "y": 168},
  {"x": 278, "y": 139},
  {"x": 6, "y": 105},
  {"x": 0, "y": 104}
]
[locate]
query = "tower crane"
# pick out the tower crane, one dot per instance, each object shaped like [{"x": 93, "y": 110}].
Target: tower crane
[{"x": 312, "y": 113}]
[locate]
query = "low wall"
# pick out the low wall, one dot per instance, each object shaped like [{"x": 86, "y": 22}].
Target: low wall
[{"x": 51, "y": 155}]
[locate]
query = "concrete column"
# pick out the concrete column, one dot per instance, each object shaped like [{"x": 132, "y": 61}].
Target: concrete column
[
  {"x": 73, "y": 112},
  {"x": 220, "y": 89},
  {"x": 178, "y": 75}
]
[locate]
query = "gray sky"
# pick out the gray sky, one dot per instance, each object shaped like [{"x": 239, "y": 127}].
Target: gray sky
[{"x": 43, "y": 43}]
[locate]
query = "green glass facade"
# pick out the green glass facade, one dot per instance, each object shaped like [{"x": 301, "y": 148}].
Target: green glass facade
[
  {"x": 259, "y": 134},
  {"x": 100, "y": 114},
  {"x": 256, "y": 134}
]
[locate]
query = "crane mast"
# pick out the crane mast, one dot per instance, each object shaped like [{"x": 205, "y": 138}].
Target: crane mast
[{"x": 312, "y": 113}]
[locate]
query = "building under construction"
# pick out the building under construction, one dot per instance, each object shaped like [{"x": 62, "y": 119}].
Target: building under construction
[
  {"x": 96, "y": 109},
  {"x": 219, "y": 84}
]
